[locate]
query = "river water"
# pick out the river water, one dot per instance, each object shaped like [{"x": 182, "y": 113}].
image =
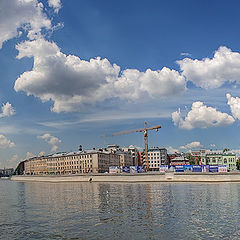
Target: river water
[{"x": 119, "y": 211}]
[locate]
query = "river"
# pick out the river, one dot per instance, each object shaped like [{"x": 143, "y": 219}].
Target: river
[{"x": 119, "y": 211}]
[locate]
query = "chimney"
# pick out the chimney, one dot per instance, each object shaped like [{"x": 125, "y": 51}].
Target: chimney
[{"x": 80, "y": 148}]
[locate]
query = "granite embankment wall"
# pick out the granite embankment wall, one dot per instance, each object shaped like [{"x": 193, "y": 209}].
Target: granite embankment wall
[{"x": 145, "y": 177}]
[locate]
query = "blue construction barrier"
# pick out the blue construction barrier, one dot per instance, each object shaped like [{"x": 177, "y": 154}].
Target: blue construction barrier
[
  {"x": 213, "y": 168},
  {"x": 126, "y": 169},
  {"x": 197, "y": 168},
  {"x": 179, "y": 168},
  {"x": 141, "y": 169}
]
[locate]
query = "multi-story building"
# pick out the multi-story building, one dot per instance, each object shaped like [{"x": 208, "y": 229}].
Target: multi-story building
[
  {"x": 127, "y": 156},
  {"x": 181, "y": 160},
  {"x": 230, "y": 160},
  {"x": 141, "y": 158},
  {"x": 220, "y": 158},
  {"x": 135, "y": 154},
  {"x": 199, "y": 156},
  {"x": 90, "y": 161},
  {"x": 173, "y": 155},
  {"x": 156, "y": 157}
]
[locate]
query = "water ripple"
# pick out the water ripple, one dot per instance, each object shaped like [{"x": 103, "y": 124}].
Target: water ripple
[{"x": 119, "y": 211}]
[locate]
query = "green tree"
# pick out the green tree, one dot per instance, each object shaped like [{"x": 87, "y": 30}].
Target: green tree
[
  {"x": 191, "y": 158},
  {"x": 198, "y": 160},
  {"x": 238, "y": 164}
]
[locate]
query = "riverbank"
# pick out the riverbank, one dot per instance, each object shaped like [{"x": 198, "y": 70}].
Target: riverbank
[{"x": 144, "y": 177}]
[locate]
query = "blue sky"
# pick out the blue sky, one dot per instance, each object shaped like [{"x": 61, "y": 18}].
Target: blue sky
[{"x": 72, "y": 71}]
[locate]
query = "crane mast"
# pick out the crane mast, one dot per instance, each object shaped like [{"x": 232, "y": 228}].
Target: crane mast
[
  {"x": 145, "y": 131},
  {"x": 146, "y": 145}
]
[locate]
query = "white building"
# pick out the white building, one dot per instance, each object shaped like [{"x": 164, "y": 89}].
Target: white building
[{"x": 156, "y": 157}]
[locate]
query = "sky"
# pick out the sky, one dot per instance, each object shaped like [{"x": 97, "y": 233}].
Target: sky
[{"x": 76, "y": 71}]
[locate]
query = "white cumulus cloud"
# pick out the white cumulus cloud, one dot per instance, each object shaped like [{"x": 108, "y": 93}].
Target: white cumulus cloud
[
  {"x": 21, "y": 15},
  {"x": 56, "y": 4},
  {"x": 192, "y": 145},
  {"x": 213, "y": 73},
  {"x": 234, "y": 104},
  {"x": 51, "y": 140},
  {"x": 5, "y": 143},
  {"x": 70, "y": 81},
  {"x": 30, "y": 155},
  {"x": 132, "y": 84},
  {"x": 201, "y": 116},
  {"x": 7, "y": 110},
  {"x": 13, "y": 161},
  {"x": 172, "y": 150}
]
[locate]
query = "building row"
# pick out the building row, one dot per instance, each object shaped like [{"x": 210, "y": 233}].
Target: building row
[
  {"x": 216, "y": 157},
  {"x": 205, "y": 157},
  {"x": 82, "y": 161},
  {"x": 92, "y": 161},
  {"x": 99, "y": 160}
]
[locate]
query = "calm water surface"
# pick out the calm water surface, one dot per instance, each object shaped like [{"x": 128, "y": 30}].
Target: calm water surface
[{"x": 119, "y": 211}]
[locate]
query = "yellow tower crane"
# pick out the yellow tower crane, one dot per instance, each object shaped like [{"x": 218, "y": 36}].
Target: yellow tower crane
[{"x": 145, "y": 131}]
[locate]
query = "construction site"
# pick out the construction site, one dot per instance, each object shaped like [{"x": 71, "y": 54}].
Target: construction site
[{"x": 114, "y": 159}]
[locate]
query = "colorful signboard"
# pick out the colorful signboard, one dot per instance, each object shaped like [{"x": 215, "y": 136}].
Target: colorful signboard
[
  {"x": 126, "y": 169},
  {"x": 205, "y": 168},
  {"x": 179, "y": 168},
  {"x": 222, "y": 168},
  {"x": 163, "y": 168},
  {"x": 188, "y": 168},
  {"x": 213, "y": 168},
  {"x": 197, "y": 168},
  {"x": 113, "y": 169},
  {"x": 133, "y": 169},
  {"x": 141, "y": 169}
]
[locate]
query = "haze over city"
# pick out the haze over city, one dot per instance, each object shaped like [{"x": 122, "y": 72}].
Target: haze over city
[{"x": 72, "y": 71}]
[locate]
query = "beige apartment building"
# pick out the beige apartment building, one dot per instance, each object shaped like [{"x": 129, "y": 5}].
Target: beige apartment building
[
  {"x": 126, "y": 156},
  {"x": 135, "y": 154},
  {"x": 126, "y": 159},
  {"x": 90, "y": 161}
]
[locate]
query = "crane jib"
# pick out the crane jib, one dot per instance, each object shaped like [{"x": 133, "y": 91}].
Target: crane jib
[{"x": 145, "y": 130}]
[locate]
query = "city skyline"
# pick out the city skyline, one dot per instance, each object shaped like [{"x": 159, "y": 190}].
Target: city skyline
[{"x": 72, "y": 71}]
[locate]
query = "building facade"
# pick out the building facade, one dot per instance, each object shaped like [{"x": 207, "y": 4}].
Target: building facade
[
  {"x": 126, "y": 158},
  {"x": 199, "y": 156},
  {"x": 156, "y": 157},
  {"x": 141, "y": 158},
  {"x": 91, "y": 161},
  {"x": 135, "y": 154},
  {"x": 221, "y": 158},
  {"x": 127, "y": 155},
  {"x": 179, "y": 161}
]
